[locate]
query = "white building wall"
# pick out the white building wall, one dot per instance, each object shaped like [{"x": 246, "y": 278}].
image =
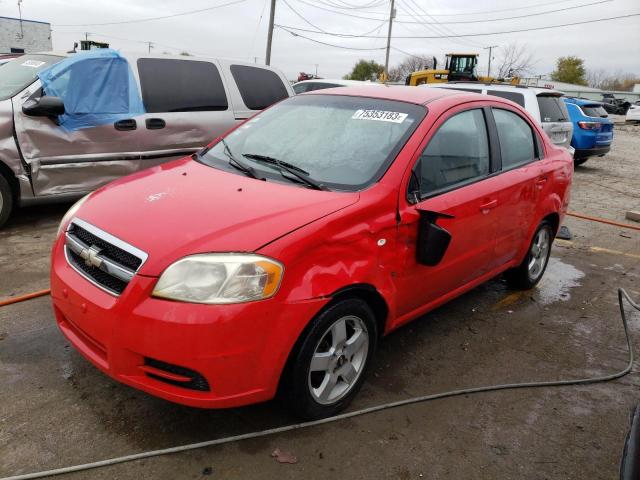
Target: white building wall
[{"x": 34, "y": 36}]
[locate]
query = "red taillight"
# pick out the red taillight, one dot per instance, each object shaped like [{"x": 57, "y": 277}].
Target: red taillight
[{"x": 589, "y": 125}]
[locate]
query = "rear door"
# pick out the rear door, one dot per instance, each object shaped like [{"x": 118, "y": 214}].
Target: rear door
[
  {"x": 453, "y": 179},
  {"x": 187, "y": 105},
  {"x": 521, "y": 179},
  {"x": 554, "y": 118}
]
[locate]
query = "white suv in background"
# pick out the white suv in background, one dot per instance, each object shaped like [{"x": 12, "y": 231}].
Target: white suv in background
[{"x": 545, "y": 105}]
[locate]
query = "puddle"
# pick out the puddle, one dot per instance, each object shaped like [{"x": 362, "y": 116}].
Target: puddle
[{"x": 557, "y": 282}]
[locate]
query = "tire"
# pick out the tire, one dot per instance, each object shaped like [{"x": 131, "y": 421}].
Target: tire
[
  {"x": 579, "y": 161},
  {"x": 531, "y": 270},
  {"x": 343, "y": 340},
  {"x": 6, "y": 200}
]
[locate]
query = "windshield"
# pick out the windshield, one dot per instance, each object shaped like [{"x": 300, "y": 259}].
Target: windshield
[
  {"x": 22, "y": 72},
  {"x": 340, "y": 142}
]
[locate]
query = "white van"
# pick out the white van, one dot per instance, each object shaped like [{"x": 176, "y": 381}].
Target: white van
[{"x": 184, "y": 103}]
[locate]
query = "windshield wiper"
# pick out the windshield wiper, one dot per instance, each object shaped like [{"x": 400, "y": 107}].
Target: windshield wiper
[
  {"x": 234, "y": 162},
  {"x": 297, "y": 172}
]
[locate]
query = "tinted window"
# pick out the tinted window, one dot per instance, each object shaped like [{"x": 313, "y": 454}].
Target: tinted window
[
  {"x": 464, "y": 89},
  {"x": 594, "y": 111},
  {"x": 513, "y": 96},
  {"x": 259, "y": 87},
  {"x": 457, "y": 153},
  {"x": 516, "y": 139},
  {"x": 180, "y": 85},
  {"x": 344, "y": 142},
  {"x": 552, "y": 109},
  {"x": 311, "y": 86}
]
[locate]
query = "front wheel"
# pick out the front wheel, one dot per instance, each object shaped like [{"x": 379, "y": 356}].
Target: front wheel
[
  {"x": 330, "y": 364},
  {"x": 6, "y": 200},
  {"x": 530, "y": 271}
]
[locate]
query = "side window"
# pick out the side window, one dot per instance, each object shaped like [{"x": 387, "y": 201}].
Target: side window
[
  {"x": 513, "y": 96},
  {"x": 516, "y": 139},
  {"x": 180, "y": 85},
  {"x": 457, "y": 154},
  {"x": 258, "y": 87}
]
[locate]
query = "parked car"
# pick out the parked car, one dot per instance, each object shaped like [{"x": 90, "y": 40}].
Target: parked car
[
  {"x": 616, "y": 106},
  {"x": 592, "y": 130},
  {"x": 322, "y": 83},
  {"x": 185, "y": 101},
  {"x": 275, "y": 258},
  {"x": 633, "y": 114},
  {"x": 545, "y": 105}
]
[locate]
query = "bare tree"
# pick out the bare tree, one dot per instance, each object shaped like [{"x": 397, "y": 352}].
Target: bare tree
[
  {"x": 515, "y": 61},
  {"x": 409, "y": 65},
  {"x": 596, "y": 78}
]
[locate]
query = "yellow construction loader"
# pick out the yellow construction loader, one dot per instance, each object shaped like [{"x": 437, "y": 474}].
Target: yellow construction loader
[{"x": 459, "y": 67}]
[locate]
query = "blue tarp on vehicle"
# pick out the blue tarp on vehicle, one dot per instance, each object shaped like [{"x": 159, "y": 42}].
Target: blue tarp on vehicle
[{"x": 97, "y": 88}]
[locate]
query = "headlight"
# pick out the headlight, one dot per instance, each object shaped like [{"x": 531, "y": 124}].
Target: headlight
[
  {"x": 220, "y": 278},
  {"x": 64, "y": 223}
]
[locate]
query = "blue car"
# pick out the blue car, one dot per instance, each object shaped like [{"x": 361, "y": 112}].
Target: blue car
[{"x": 592, "y": 130}]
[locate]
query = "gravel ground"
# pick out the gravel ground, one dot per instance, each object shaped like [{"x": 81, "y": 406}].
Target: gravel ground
[{"x": 58, "y": 410}]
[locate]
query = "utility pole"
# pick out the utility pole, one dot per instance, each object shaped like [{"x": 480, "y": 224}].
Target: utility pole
[
  {"x": 150, "y": 46},
  {"x": 392, "y": 14},
  {"x": 489, "y": 67},
  {"x": 316, "y": 70},
  {"x": 20, "y": 12},
  {"x": 272, "y": 15}
]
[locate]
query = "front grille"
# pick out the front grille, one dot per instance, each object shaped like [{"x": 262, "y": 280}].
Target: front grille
[
  {"x": 108, "y": 250},
  {"x": 112, "y": 284},
  {"x": 196, "y": 382},
  {"x": 101, "y": 258}
]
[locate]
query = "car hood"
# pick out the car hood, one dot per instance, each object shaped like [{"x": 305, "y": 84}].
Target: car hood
[{"x": 185, "y": 207}]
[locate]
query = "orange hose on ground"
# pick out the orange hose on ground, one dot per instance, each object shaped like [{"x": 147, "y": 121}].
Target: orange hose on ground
[
  {"x": 603, "y": 220},
  {"x": 22, "y": 298}
]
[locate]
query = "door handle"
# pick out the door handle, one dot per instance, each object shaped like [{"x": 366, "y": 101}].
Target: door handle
[
  {"x": 486, "y": 207},
  {"x": 126, "y": 124},
  {"x": 155, "y": 123},
  {"x": 540, "y": 182}
]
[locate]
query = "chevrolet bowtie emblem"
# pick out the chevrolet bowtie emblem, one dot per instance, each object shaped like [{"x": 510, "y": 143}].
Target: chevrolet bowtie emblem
[{"x": 90, "y": 256}]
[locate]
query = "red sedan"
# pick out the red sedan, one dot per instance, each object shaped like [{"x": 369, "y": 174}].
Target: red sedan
[{"x": 276, "y": 258}]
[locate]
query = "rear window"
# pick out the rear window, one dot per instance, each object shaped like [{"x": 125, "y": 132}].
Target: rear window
[
  {"x": 513, "y": 96},
  {"x": 311, "y": 86},
  {"x": 464, "y": 89},
  {"x": 594, "y": 111},
  {"x": 552, "y": 109},
  {"x": 180, "y": 85},
  {"x": 258, "y": 87}
]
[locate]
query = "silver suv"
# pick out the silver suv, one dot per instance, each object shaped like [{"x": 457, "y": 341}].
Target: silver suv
[
  {"x": 188, "y": 101},
  {"x": 545, "y": 105}
]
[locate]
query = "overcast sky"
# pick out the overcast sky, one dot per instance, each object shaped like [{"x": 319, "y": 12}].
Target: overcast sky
[{"x": 239, "y": 30}]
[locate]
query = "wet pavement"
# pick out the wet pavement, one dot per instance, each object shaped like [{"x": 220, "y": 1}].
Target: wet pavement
[{"x": 57, "y": 410}]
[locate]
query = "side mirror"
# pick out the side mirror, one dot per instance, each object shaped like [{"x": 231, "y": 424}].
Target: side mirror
[
  {"x": 43, "y": 107},
  {"x": 433, "y": 240}
]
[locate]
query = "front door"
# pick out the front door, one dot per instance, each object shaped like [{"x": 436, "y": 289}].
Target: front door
[{"x": 452, "y": 178}]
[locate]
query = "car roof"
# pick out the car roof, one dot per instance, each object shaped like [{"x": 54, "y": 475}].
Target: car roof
[
  {"x": 419, "y": 96},
  {"x": 338, "y": 81},
  {"x": 582, "y": 101},
  {"x": 495, "y": 86}
]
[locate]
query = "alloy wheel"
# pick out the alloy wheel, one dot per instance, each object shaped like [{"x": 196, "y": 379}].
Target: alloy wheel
[
  {"x": 539, "y": 254},
  {"x": 338, "y": 360}
]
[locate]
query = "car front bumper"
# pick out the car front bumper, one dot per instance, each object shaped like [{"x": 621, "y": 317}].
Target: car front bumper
[{"x": 209, "y": 356}]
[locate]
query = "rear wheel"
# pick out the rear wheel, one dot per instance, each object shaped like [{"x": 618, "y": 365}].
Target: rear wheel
[
  {"x": 329, "y": 367},
  {"x": 530, "y": 271},
  {"x": 6, "y": 200},
  {"x": 579, "y": 161}
]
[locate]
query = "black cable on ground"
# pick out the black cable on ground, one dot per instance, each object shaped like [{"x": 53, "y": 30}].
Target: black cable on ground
[{"x": 622, "y": 295}]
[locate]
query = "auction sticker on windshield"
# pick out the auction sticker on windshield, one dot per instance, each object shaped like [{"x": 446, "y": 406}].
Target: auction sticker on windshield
[
  {"x": 379, "y": 115},
  {"x": 32, "y": 63}
]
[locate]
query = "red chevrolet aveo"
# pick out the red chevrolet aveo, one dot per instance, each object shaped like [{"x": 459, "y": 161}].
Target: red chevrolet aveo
[{"x": 275, "y": 259}]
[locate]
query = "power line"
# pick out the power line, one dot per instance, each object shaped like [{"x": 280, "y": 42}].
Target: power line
[
  {"x": 150, "y": 18},
  {"x": 547, "y": 27},
  {"x": 499, "y": 10},
  {"x": 281, "y": 27},
  {"x": 582, "y": 5}
]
